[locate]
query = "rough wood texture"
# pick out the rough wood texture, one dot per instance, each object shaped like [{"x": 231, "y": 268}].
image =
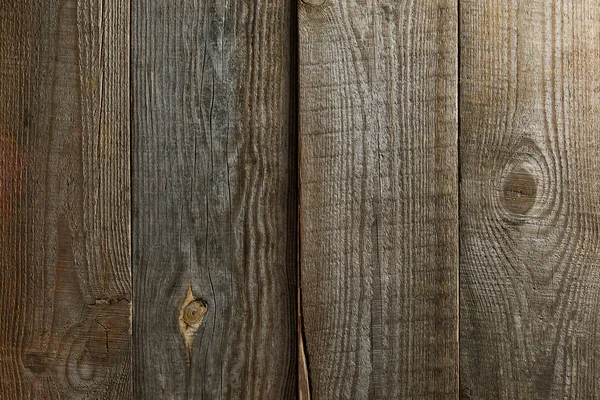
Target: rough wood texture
[
  {"x": 64, "y": 200},
  {"x": 214, "y": 200},
  {"x": 379, "y": 214},
  {"x": 530, "y": 221}
]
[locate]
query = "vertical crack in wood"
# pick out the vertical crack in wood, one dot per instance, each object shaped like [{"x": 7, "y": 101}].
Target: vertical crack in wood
[
  {"x": 459, "y": 394},
  {"x": 304, "y": 383}
]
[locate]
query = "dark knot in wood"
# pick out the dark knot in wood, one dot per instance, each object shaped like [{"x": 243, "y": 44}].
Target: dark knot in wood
[{"x": 519, "y": 191}]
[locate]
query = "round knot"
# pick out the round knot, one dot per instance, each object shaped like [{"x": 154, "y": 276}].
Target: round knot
[
  {"x": 194, "y": 312},
  {"x": 519, "y": 191}
]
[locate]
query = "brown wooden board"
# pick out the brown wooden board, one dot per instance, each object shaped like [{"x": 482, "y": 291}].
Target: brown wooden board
[
  {"x": 530, "y": 199},
  {"x": 379, "y": 208},
  {"x": 65, "y": 286},
  {"x": 214, "y": 200}
]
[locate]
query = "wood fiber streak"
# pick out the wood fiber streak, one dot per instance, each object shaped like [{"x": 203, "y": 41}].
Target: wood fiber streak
[
  {"x": 65, "y": 285},
  {"x": 530, "y": 195},
  {"x": 379, "y": 213},
  {"x": 214, "y": 200}
]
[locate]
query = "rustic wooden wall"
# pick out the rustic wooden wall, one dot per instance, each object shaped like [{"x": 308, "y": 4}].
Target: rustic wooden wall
[
  {"x": 158, "y": 140},
  {"x": 214, "y": 200},
  {"x": 530, "y": 222},
  {"x": 379, "y": 213},
  {"x": 65, "y": 286}
]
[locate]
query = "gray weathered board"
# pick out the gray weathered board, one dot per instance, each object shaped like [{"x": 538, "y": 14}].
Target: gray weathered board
[
  {"x": 65, "y": 285},
  {"x": 530, "y": 199},
  {"x": 379, "y": 212},
  {"x": 214, "y": 200}
]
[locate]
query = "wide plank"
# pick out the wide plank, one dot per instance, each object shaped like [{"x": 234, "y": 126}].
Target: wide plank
[
  {"x": 530, "y": 196},
  {"x": 65, "y": 281},
  {"x": 379, "y": 199},
  {"x": 214, "y": 200}
]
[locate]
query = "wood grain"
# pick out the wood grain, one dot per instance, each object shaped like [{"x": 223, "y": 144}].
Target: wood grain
[
  {"x": 65, "y": 284},
  {"x": 214, "y": 213},
  {"x": 379, "y": 214},
  {"x": 530, "y": 222}
]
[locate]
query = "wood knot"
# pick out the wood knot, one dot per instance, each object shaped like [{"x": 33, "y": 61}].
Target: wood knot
[
  {"x": 37, "y": 362},
  {"x": 519, "y": 191},
  {"x": 194, "y": 312},
  {"x": 191, "y": 316}
]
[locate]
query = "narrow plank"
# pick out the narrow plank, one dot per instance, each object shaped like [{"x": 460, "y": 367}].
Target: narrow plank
[
  {"x": 65, "y": 284},
  {"x": 379, "y": 214},
  {"x": 214, "y": 226},
  {"x": 530, "y": 222}
]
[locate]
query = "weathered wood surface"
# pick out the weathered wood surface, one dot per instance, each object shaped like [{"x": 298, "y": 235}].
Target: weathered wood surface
[
  {"x": 379, "y": 214},
  {"x": 214, "y": 200},
  {"x": 530, "y": 216},
  {"x": 65, "y": 284}
]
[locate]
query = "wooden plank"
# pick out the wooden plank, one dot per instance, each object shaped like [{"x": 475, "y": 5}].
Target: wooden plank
[
  {"x": 530, "y": 222},
  {"x": 65, "y": 284},
  {"x": 379, "y": 213},
  {"x": 214, "y": 230}
]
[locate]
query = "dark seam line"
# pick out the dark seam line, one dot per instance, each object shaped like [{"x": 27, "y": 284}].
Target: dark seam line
[{"x": 458, "y": 188}]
